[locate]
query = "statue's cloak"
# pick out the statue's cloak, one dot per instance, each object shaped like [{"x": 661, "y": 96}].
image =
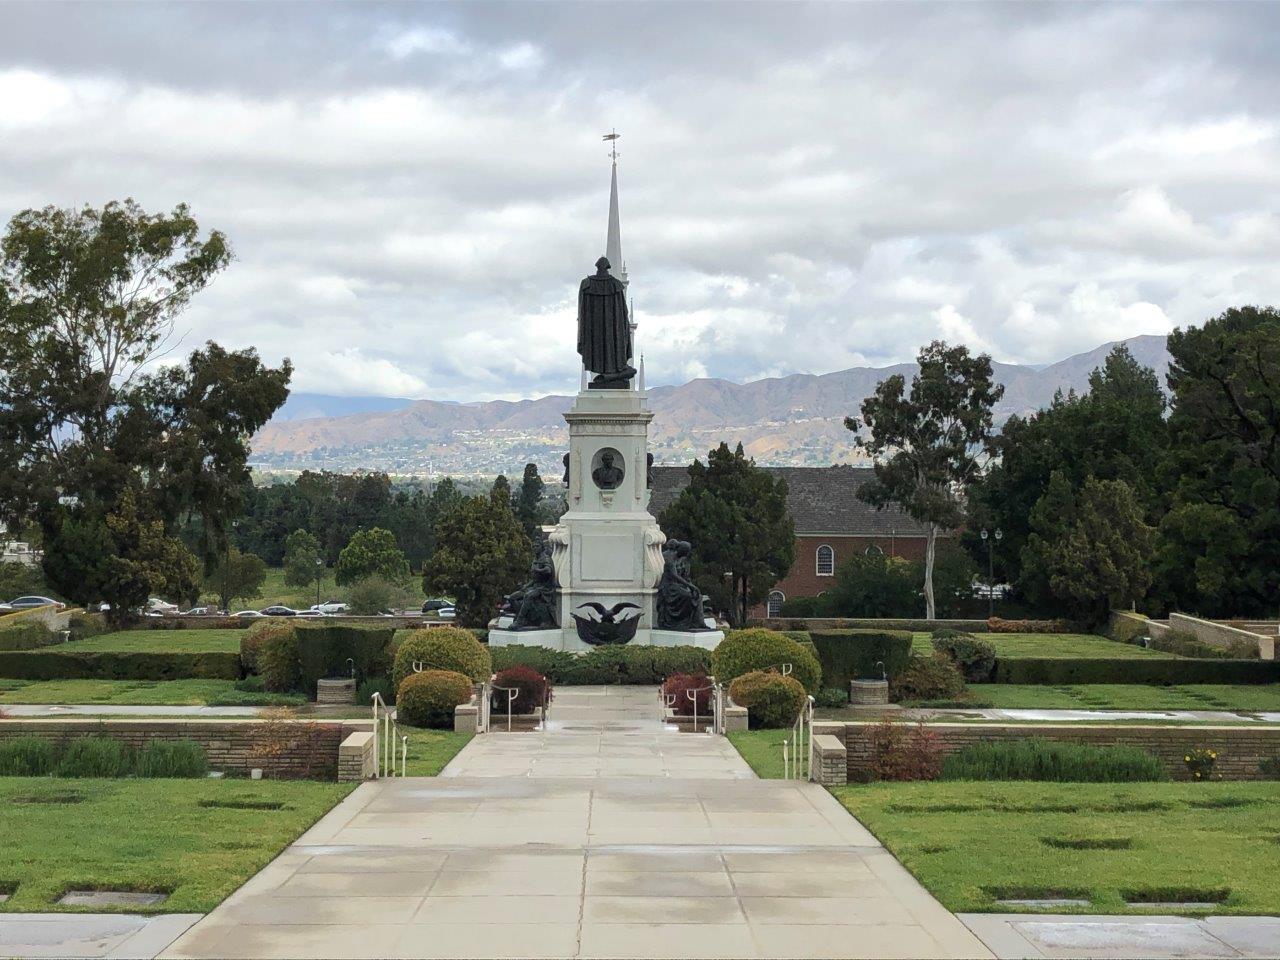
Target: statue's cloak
[{"x": 604, "y": 329}]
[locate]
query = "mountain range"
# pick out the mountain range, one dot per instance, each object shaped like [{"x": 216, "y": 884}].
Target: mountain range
[{"x": 786, "y": 421}]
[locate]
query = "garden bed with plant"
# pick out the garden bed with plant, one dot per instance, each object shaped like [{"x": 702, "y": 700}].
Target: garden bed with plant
[
  {"x": 1107, "y": 844},
  {"x": 194, "y": 840},
  {"x": 156, "y": 641}
]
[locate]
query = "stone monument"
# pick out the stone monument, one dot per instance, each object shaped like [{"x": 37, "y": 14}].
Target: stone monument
[{"x": 609, "y": 579}]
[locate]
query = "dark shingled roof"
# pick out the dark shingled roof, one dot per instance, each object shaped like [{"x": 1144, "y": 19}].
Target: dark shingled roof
[{"x": 822, "y": 500}]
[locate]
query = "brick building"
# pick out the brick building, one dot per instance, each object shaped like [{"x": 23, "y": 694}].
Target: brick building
[{"x": 832, "y": 523}]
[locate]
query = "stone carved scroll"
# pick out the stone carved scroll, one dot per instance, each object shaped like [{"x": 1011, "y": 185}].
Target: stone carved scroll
[
  {"x": 559, "y": 540},
  {"x": 654, "y": 538}
]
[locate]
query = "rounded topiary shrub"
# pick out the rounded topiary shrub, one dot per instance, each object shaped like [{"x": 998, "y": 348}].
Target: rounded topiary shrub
[
  {"x": 743, "y": 651},
  {"x": 927, "y": 678},
  {"x": 279, "y": 661},
  {"x": 255, "y": 639},
  {"x": 442, "y": 648},
  {"x": 682, "y": 690},
  {"x": 427, "y": 699},
  {"x": 771, "y": 699},
  {"x": 976, "y": 658},
  {"x": 532, "y": 690}
]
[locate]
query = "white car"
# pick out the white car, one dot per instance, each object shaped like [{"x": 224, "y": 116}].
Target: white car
[
  {"x": 331, "y": 606},
  {"x": 312, "y": 614},
  {"x": 247, "y": 613},
  {"x": 156, "y": 605},
  {"x": 447, "y": 613}
]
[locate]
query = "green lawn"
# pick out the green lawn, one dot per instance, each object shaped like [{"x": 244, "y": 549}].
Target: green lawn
[
  {"x": 762, "y": 749},
  {"x": 147, "y": 835},
  {"x": 1180, "y": 841},
  {"x": 217, "y": 693},
  {"x": 430, "y": 750},
  {"x": 1059, "y": 646},
  {"x": 168, "y": 641},
  {"x": 1129, "y": 696}
]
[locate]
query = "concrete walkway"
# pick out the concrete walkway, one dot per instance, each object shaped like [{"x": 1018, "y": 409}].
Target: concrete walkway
[
  {"x": 112, "y": 936},
  {"x": 1015, "y": 936},
  {"x": 608, "y": 836}
]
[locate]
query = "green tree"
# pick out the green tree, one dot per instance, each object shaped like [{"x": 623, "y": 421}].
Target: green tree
[
  {"x": 501, "y": 487},
  {"x": 142, "y": 561},
  {"x": 735, "y": 516},
  {"x": 372, "y": 553},
  {"x": 873, "y": 585},
  {"x": 236, "y": 576},
  {"x": 87, "y": 299},
  {"x": 1114, "y": 431},
  {"x": 928, "y": 443},
  {"x": 303, "y": 564},
  {"x": 1093, "y": 547},
  {"x": 1219, "y": 548},
  {"x": 529, "y": 502},
  {"x": 482, "y": 554}
]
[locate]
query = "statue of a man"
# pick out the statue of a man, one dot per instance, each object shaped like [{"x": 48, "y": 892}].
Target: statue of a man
[{"x": 604, "y": 329}]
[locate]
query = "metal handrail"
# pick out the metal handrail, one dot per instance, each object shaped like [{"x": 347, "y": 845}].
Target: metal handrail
[
  {"x": 482, "y": 723},
  {"x": 512, "y": 694},
  {"x": 384, "y": 743},
  {"x": 797, "y": 748}
]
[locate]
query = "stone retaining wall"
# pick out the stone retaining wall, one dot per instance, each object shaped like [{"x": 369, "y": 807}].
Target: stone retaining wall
[
  {"x": 287, "y": 749},
  {"x": 1220, "y": 635},
  {"x": 356, "y": 760},
  {"x": 1239, "y": 748}
]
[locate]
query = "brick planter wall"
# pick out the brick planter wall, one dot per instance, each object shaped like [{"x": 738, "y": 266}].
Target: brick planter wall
[
  {"x": 1239, "y": 748},
  {"x": 303, "y": 749}
]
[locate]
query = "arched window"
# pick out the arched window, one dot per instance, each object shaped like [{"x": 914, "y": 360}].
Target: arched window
[
  {"x": 874, "y": 551},
  {"x": 776, "y": 599},
  {"x": 826, "y": 561}
]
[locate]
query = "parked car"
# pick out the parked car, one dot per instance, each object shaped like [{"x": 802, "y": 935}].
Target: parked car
[
  {"x": 446, "y": 613},
  {"x": 439, "y": 603},
  {"x": 309, "y": 613},
  {"x": 279, "y": 610},
  {"x": 28, "y": 603},
  {"x": 331, "y": 606},
  {"x": 5, "y": 608},
  {"x": 246, "y": 613},
  {"x": 156, "y": 605},
  {"x": 200, "y": 612}
]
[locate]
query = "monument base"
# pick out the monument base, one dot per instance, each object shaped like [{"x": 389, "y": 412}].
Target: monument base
[{"x": 569, "y": 641}]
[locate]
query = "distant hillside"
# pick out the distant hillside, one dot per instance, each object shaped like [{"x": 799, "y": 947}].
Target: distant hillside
[
  {"x": 308, "y": 406},
  {"x": 787, "y": 421}
]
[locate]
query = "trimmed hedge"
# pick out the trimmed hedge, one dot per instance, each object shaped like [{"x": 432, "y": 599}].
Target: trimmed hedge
[
  {"x": 853, "y": 654},
  {"x": 827, "y": 624},
  {"x": 743, "y": 651},
  {"x": 772, "y": 700},
  {"x": 927, "y": 678},
  {"x": 605, "y": 666},
  {"x": 119, "y": 665},
  {"x": 442, "y": 648},
  {"x": 1051, "y": 672},
  {"x": 255, "y": 640},
  {"x": 323, "y": 650},
  {"x": 427, "y": 699},
  {"x": 27, "y": 635},
  {"x": 975, "y": 658}
]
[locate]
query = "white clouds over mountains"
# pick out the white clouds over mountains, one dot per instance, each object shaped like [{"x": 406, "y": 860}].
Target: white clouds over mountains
[{"x": 413, "y": 191}]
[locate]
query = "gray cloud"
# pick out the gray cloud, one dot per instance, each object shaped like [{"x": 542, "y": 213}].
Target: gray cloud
[{"x": 413, "y": 190}]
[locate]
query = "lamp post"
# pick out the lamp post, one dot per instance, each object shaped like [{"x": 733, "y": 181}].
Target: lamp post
[
  {"x": 991, "y": 579},
  {"x": 319, "y": 573}
]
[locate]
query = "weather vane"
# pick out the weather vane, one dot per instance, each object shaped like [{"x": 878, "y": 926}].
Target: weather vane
[{"x": 613, "y": 136}]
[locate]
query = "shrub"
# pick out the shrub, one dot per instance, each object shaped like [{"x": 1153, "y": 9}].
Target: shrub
[
  {"x": 255, "y": 638},
  {"x": 279, "y": 661},
  {"x": 632, "y": 663},
  {"x": 927, "y": 678},
  {"x": 172, "y": 759},
  {"x": 858, "y": 654},
  {"x": 1269, "y": 767},
  {"x": 380, "y": 684},
  {"x": 975, "y": 658},
  {"x": 96, "y": 757},
  {"x": 369, "y": 596},
  {"x": 899, "y": 755},
  {"x": 1200, "y": 763},
  {"x": 745, "y": 651},
  {"x": 533, "y": 690},
  {"x": 427, "y": 699},
  {"x": 805, "y": 607},
  {"x": 442, "y": 648},
  {"x": 1127, "y": 627},
  {"x": 1037, "y": 759},
  {"x": 1046, "y": 670},
  {"x": 552, "y": 664},
  {"x": 831, "y": 698},
  {"x": 26, "y": 757},
  {"x": 83, "y": 625},
  {"x": 324, "y": 649},
  {"x": 1000, "y": 625},
  {"x": 118, "y": 665},
  {"x": 685, "y": 690},
  {"x": 27, "y": 634},
  {"x": 771, "y": 699}
]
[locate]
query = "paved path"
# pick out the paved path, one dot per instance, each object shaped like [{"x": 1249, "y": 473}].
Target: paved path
[
  {"x": 606, "y": 837},
  {"x": 1014, "y": 936},
  {"x": 106, "y": 935},
  {"x": 1086, "y": 716}
]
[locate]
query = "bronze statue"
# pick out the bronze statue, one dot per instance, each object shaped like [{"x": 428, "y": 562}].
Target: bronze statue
[
  {"x": 679, "y": 599},
  {"x": 604, "y": 329},
  {"x": 533, "y": 606},
  {"x": 607, "y": 476}
]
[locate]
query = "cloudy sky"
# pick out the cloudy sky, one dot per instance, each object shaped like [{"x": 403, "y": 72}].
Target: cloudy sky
[{"x": 413, "y": 191}]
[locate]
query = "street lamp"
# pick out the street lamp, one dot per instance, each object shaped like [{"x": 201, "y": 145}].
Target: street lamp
[
  {"x": 319, "y": 574},
  {"x": 991, "y": 579}
]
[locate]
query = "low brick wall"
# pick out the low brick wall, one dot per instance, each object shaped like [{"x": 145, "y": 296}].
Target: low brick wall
[
  {"x": 356, "y": 760},
  {"x": 286, "y": 749},
  {"x": 1239, "y": 748}
]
